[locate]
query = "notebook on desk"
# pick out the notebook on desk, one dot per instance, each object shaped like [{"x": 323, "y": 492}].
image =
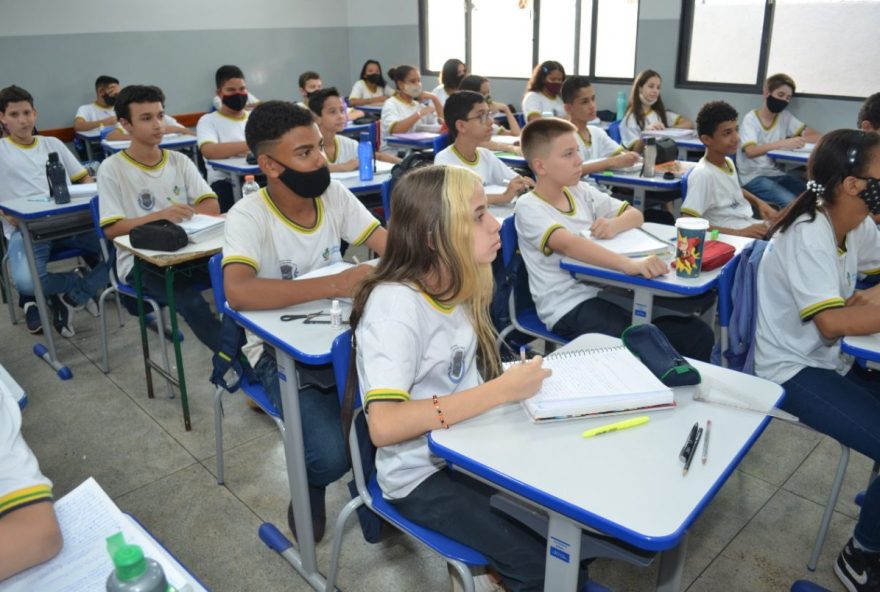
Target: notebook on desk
[
  {"x": 595, "y": 382},
  {"x": 200, "y": 227},
  {"x": 632, "y": 243}
]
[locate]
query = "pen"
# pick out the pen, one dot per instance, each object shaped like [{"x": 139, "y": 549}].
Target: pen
[
  {"x": 522, "y": 354},
  {"x": 356, "y": 260},
  {"x": 687, "y": 464},
  {"x": 689, "y": 443},
  {"x": 706, "y": 441},
  {"x": 613, "y": 427}
]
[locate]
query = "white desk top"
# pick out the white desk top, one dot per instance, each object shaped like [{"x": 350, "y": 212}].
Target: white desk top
[
  {"x": 350, "y": 179},
  {"x": 862, "y": 346},
  {"x": 628, "y": 484},
  {"x": 164, "y": 258},
  {"x": 799, "y": 156},
  {"x": 168, "y": 141},
  {"x": 36, "y": 207},
  {"x": 633, "y": 179}
]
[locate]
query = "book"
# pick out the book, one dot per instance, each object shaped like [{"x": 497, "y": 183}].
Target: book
[
  {"x": 670, "y": 132},
  {"x": 381, "y": 167},
  {"x": 632, "y": 243},
  {"x": 593, "y": 382},
  {"x": 200, "y": 227}
]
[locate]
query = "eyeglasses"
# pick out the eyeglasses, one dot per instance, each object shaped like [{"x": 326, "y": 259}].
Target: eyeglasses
[{"x": 483, "y": 116}]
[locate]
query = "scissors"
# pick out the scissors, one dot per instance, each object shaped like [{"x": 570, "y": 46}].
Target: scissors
[{"x": 308, "y": 317}]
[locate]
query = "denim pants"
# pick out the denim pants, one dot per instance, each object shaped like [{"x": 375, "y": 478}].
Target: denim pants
[
  {"x": 188, "y": 299},
  {"x": 326, "y": 453},
  {"x": 79, "y": 289},
  {"x": 778, "y": 190},
  {"x": 847, "y": 408}
]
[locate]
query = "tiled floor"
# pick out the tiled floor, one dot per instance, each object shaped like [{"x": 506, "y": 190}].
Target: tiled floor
[{"x": 756, "y": 535}]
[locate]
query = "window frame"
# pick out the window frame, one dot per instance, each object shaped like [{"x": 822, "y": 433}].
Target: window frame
[
  {"x": 467, "y": 5},
  {"x": 684, "y": 53}
]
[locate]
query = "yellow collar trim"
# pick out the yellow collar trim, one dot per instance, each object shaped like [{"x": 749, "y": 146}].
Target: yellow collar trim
[
  {"x": 444, "y": 308},
  {"x": 319, "y": 206},
  {"x": 30, "y": 146},
  {"x": 336, "y": 150},
  {"x": 156, "y": 167},
  {"x": 772, "y": 123},
  {"x": 572, "y": 205},
  {"x": 461, "y": 157},
  {"x": 397, "y": 96},
  {"x": 242, "y": 117},
  {"x": 588, "y": 140}
]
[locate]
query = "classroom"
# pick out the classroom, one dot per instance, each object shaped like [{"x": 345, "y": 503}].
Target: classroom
[{"x": 259, "y": 132}]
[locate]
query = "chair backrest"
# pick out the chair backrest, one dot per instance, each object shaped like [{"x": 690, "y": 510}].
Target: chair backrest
[
  {"x": 95, "y": 210},
  {"x": 387, "y": 186},
  {"x": 215, "y": 271},
  {"x": 614, "y": 131},
  {"x": 440, "y": 142},
  {"x": 515, "y": 279},
  {"x": 509, "y": 240},
  {"x": 684, "y": 184},
  {"x": 340, "y": 353}
]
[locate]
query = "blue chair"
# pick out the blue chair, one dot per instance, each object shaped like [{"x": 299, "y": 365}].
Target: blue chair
[
  {"x": 523, "y": 314},
  {"x": 805, "y": 586},
  {"x": 614, "y": 131},
  {"x": 440, "y": 142},
  {"x": 387, "y": 185},
  {"x": 684, "y": 184},
  {"x": 458, "y": 556},
  {"x": 248, "y": 384}
]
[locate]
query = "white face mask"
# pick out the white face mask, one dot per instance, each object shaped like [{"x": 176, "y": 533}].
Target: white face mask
[
  {"x": 413, "y": 90},
  {"x": 645, "y": 101}
]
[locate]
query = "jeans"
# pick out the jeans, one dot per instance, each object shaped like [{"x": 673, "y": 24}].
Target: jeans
[
  {"x": 225, "y": 194},
  {"x": 78, "y": 289},
  {"x": 847, "y": 408},
  {"x": 689, "y": 335},
  {"x": 188, "y": 299},
  {"x": 326, "y": 453},
  {"x": 779, "y": 190},
  {"x": 457, "y": 506}
]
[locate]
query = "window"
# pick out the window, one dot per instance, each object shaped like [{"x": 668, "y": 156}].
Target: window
[
  {"x": 828, "y": 47},
  {"x": 506, "y": 38}
]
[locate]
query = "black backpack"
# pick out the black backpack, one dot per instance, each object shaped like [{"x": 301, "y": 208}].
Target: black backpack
[{"x": 412, "y": 161}]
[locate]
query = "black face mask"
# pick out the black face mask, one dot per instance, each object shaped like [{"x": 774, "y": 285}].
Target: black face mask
[
  {"x": 775, "y": 105},
  {"x": 234, "y": 102},
  {"x": 871, "y": 194},
  {"x": 375, "y": 79},
  {"x": 312, "y": 184},
  {"x": 109, "y": 100}
]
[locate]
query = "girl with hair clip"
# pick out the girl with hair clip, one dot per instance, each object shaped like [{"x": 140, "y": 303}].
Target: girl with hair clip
[
  {"x": 451, "y": 75},
  {"x": 409, "y": 109},
  {"x": 646, "y": 111},
  {"x": 426, "y": 359},
  {"x": 807, "y": 301},
  {"x": 370, "y": 88},
  {"x": 542, "y": 91},
  {"x": 480, "y": 84}
]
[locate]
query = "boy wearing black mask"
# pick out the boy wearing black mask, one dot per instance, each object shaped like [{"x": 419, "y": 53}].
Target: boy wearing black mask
[
  {"x": 99, "y": 113},
  {"x": 294, "y": 226},
  {"x": 221, "y": 132},
  {"x": 772, "y": 127}
]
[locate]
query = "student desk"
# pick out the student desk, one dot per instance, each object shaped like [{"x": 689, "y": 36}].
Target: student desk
[
  {"x": 377, "y": 109},
  {"x": 864, "y": 347},
  {"x": 88, "y": 138},
  {"x": 689, "y": 144},
  {"x": 170, "y": 263},
  {"x": 413, "y": 140},
  {"x": 512, "y": 159},
  {"x": 628, "y": 484},
  {"x": 169, "y": 141},
  {"x": 638, "y": 184},
  {"x": 295, "y": 342},
  {"x": 40, "y": 219},
  {"x": 790, "y": 158},
  {"x": 645, "y": 289}
]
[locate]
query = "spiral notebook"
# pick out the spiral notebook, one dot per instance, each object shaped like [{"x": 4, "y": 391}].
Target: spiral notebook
[{"x": 593, "y": 382}]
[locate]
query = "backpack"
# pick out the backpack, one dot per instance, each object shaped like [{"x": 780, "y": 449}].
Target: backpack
[{"x": 412, "y": 161}]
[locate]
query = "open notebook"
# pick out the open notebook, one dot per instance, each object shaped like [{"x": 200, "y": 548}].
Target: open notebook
[
  {"x": 592, "y": 382},
  {"x": 200, "y": 227},
  {"x": 632, "y": 243}
]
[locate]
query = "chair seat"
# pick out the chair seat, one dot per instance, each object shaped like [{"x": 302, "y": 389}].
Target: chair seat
[
  {"x": 529, "y": 320},
  {"x": 805, "y": 586},
  {"x": 61, "y": 254},
  {"x": 439, "y": 543}
]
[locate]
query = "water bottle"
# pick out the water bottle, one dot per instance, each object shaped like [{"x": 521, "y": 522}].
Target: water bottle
[
  {"x": 365, "y": 157},
  {"x": 621, "y": 105},
  {"x": 56, "y": 175},
  {"x": 132, "y": 572},
  {"x": 650, "y": 156},
  {"x": 250, "y": 186},
  {"x": 335, "y": 315}
]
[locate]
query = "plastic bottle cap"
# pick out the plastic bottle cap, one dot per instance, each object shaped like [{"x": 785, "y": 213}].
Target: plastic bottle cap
[
  {"x": 129, "y": 562},
  {"x": 248, "y": 178}
]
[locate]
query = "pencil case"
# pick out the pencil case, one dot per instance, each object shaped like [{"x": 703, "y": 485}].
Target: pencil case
[
  {"x": 715, "y": 254},
  {"x": 159, "y": 235},
  {"x": 651, "y": 346}
]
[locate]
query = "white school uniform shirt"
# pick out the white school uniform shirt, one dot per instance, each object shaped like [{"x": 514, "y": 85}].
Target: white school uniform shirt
[
  {"x": 259, "y": 235},
  {"x": 630, "y": 132},
  {"x": 23, "y": 169},
  {"x": 21, "y": 482},
  {"x": 396, "y": 109},
  {"x": 217, "y": 102},
  {"x": 216, "y": 128},
  {"x": 714, "y": 193},
  {"x": 360, "y": 90},
  {"x": 93, "y": 112},
  {"x": 440, "y": 93},
  {"x": 129, "y": 189},
  {"x": 554, "y": 290},
  {"x": 410, "y": 347},
  {"x": 539, "y": 103},
  {"x": 488, "y": 166},
  {"x": 597, "y": 146},
  {"x": 346, "y": 149},
  {"x": 803, "y": 273},
  {"x": 752, "y": 131}
]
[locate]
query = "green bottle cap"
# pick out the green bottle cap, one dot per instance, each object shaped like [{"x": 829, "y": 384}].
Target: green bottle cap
[{"x": 127, "y": 559}]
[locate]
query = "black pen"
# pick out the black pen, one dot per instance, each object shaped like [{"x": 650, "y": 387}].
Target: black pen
[
  {"x": 689, "y": 443},
  {"x": 687, "y": 464}
]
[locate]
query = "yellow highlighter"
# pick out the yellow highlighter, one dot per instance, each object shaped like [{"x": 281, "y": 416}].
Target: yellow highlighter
[{"x": 613, "y": 427}]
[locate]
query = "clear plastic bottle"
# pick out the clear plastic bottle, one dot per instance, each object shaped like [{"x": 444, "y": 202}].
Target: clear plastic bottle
[
  {"x": 365, "y": 157},
  {"x": 621, "y": 105},
  {"x": 650, "y": 157},
  {"x": 335, "y": 315},
  {"x": 56, "y": 176},
  {"x": 132, "y": 571},
  {"x": 250, "y": 186}
]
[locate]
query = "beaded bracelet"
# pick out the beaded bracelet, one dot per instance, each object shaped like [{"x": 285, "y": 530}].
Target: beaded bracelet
[{"x": 440, "y": 413}]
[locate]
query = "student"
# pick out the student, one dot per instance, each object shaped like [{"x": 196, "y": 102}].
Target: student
[
  {"x": 549, "y": 223},
  {"x": 98, "y": 114},
  {"x": 227, "y": 71},
  {"x": 426, "y": 359},
  {"x": 172, "y": 126},
  {"x": 470, "y": 122},
  {"x": 293, "y": 226},
  {"x": 646, "y": 111},
  {"x": 144, "y": 183},
  {"x": 450, "y": 78},
  {"x": 341, "y": 151},
  {"x": 409, "y": 108},
  {"x": 771, "y": 127},
  {"x": 480, "y": 84},
  {"x": 807, "y": 302},
  {"x": 370, "y": 88},
  {"x": 23, "y": 158},
  {"x": 714, "y": 192},
  {"x": 309, "y": 81},
  {"x": 869, "y": 114},
  {"x": 542, "y": 91},
  {"x": 597, "y": 149},
  {"x": 29, "y": 531},
  {"x": 221, "y": 132}
]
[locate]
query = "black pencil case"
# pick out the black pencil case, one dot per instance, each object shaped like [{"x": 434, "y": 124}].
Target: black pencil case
[
  {"x": 159, "y": 235},
  {"x": 651, "y": 346}
]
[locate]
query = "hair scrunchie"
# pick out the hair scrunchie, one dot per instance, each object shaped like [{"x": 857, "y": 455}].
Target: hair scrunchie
[{"x": 816, "y": 187}]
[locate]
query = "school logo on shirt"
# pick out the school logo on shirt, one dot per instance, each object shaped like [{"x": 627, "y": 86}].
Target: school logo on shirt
[
  {"x": 332, "y": 253},
  {"x": 289, "y": 270},
  {"x": 176, "y": 190},
  {"x": 456, "y": 364},
  {"x": 146, "y": 200}
]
